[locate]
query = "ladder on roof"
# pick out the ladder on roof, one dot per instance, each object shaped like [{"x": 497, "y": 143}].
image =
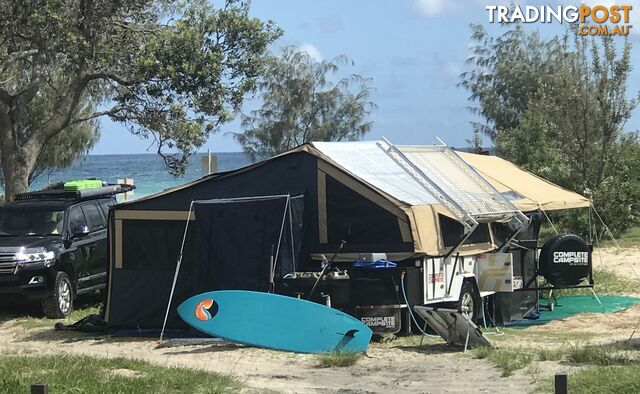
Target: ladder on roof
[
  {"x": 419, "y": 176},
  {"x": 471, "y": 199}
]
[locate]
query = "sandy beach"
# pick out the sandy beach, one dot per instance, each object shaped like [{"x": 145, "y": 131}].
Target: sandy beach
[{"x": 400, "y": 365}]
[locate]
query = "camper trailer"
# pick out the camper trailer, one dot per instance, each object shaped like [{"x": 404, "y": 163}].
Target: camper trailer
[{"x": 369, "y": 227}]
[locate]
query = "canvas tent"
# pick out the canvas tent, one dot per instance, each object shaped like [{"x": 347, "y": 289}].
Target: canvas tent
[
  {"x": 361, "y": 192},
  {"x": 527, "y": 191}
]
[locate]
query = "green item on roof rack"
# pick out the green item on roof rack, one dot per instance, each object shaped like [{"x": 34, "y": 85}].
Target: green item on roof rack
[{"x": 74, "y": 186}]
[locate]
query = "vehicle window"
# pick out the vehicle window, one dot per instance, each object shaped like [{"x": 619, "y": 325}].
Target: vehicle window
[
  {"x": 94, "y": 217},
  {"x": 105, "y": 205},
  {"x": 31, "y": 220},
  {"x": 76, "y": 218}
]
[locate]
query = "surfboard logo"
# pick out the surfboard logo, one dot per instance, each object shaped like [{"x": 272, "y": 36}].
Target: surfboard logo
[{"x": 206, "y": 309}]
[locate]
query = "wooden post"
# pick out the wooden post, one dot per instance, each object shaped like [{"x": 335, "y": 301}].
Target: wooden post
[
  {"x": 209, "y": 163},
  {"x": 126, "y": 181},
  {"x": 39, "y": 388},
  {"x": 561, "y": 383}
]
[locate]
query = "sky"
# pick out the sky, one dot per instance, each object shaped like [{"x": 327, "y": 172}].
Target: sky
[{"x": 414, "y": 51}]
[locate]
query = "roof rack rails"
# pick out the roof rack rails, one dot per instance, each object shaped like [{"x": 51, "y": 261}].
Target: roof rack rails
[
  {"x": 57, "y": 192},
  {"x": 456, "y": 186}
]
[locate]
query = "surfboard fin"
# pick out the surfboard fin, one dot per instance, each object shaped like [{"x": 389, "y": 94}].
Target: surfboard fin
[{"x": 350, "y": 333}]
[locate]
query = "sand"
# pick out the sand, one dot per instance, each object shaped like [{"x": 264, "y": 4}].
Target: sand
[
  {"x": 385, "y": 368},
  {"x": 625, "y": 262},
  {"x": 398, "y": 366}
]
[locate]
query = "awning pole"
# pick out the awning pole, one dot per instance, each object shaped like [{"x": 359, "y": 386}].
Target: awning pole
[
  {"x": 606, "y": 228},
  {"x": 548, "y": 219},
  {"x": 293, "y": 247},
  {"x": 275, "y": 260},
  {"x": 175, "y": 275}
]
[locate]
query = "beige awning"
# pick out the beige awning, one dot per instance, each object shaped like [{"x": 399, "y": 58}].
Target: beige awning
[{"x": 535, "y": 191}]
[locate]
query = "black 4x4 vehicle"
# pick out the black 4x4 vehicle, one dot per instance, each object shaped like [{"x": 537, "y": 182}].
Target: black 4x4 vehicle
[{"x": 53, "y": 245}]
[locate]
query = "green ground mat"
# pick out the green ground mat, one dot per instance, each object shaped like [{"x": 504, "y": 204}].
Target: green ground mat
[{"x": 572, "y": 305}]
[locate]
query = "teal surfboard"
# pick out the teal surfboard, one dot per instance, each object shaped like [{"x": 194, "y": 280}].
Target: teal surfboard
[{"x": 274, "y": 321}]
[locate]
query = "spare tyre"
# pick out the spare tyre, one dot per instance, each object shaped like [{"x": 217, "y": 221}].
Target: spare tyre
[{"x": 564, "y": 260}]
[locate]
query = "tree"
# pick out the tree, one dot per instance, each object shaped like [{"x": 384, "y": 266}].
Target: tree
[
  {"x": 301, "y": 103},
  {"x": 507, "y": 71},
  {"x": 475, "y": 142},
  {"x": 70, "y": 143},
  {"x": 169, "y": 70},
  {"x": 558, "y": 108},
  {"x": 67, "y": 146}
]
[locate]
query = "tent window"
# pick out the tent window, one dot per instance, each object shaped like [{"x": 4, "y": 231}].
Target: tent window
[
  {"x": 357, "y": 220},
  {"x": 153, "y": 245},
  {"x": 452, "y": 231}
]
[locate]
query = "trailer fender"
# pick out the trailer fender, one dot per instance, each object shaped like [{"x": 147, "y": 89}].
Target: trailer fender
[{"x": 469, "y": 277}]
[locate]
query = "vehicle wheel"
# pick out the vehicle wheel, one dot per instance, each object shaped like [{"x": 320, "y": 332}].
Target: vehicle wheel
[
  {"x": 470, "y": 300},
  {"x": 59, "y": 303}
]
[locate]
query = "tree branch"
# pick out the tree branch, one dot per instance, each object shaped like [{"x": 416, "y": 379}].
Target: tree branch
[
  {"x": 110, "y": 76},
  {"x": 5, "y": 97},
  {"x": 61, "y": 116},
  {"x": 17, "y": 56},
  {"x": 95, "y": 115}
]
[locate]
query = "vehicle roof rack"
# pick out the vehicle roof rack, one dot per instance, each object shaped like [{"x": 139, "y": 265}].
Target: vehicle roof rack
[{"x": 57, "y": 191}]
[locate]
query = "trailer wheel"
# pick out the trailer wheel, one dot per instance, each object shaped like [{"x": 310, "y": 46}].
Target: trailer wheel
[{"x": 469, "y": 300}]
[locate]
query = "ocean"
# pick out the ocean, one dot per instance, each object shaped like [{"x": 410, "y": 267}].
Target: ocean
[{"x": 147, "y": 170}]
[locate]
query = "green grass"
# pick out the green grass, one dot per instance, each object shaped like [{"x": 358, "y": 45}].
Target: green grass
[
  {"x": 39, "y": 322},
  {"x": 556, "y": 354},
  {"x": 598, "y": 355},
  {"x": 30, "y": 316},
  {"x": 512, "y": 359},
  {"x": 338, "y": 359},
  {"x": 628, "y": 239},
  {"x": 509, "y": 360},
  {"x": 606, "y": 282},
  {"x": 83, "y": 374},
  {"x": 601, "y": 380},
  {"x": 606, "y": 380}
]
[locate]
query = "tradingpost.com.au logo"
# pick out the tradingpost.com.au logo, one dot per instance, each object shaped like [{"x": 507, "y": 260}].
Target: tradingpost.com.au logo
[{"x": 598, "y": 20}]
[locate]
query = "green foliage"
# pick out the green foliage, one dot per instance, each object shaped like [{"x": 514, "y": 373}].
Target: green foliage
[
  {"x": 507, "y": 72},
  {"x": 598, "y": 355},
  {"x": 555, "y": 354},
  {"x": 38, "y": 322},
  {"x": 614, "y": 379},
  {"x": 338, "y": 359},
  {"x": 72, "y": 142},
  {"x": 512, "y": 359},
  {"x": 606, "y": 282},
  {"x": 628, "y": 239},
  {"x": 509, "y": 360},
  {"x": 83, "y": 374},
  {"x": 67, "y": 146},
  {"x": 301, "y": 102},
  {"x": 171, "y": 71},
  {"x": 475, "y": 142},
  {"x": 558, "y": 108}
]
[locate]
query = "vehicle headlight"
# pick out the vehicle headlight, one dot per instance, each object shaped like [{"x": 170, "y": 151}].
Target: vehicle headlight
[{"x": 34, "y": 257}]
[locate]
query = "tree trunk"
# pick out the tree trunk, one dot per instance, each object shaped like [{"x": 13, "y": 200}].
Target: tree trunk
[{"x": 16, "y": 167}]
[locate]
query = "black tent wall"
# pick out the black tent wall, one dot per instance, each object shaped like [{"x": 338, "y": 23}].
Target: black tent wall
[
  {"x": 139, "y": 288},
  {"x": 231, "y": 257}
]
